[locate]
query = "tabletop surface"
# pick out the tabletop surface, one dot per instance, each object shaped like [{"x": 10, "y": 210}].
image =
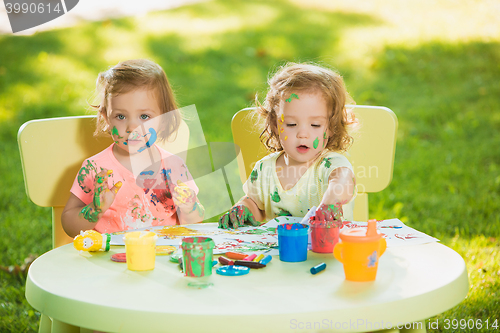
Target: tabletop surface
[{"x": 89, "y": 290}]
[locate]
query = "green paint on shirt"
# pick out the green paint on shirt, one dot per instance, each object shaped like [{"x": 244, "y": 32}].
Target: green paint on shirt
[
  {"x": 275, "y": 196},
  {"x": 254, "y": 175}
]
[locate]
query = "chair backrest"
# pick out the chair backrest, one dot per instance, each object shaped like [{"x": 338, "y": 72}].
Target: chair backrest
[
  {"x": 371, "y": 155},
  {"x": 52, "y": 151}
]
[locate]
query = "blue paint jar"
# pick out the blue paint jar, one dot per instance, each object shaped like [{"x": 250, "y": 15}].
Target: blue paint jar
[{"x": 292, "y": 241}]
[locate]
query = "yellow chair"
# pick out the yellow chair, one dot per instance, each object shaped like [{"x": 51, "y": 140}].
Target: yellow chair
[
  {"x": 371, "y": 155},
  {"x": 52, "y": 151}
]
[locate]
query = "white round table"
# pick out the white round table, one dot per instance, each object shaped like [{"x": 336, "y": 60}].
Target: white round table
[{"x": 89, "y": 290}]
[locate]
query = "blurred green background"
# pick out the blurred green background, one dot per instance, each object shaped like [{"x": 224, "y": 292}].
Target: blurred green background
[{"x": 436, "y": 64}]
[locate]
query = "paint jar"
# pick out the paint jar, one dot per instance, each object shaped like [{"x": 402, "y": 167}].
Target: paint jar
[
  {"x": 140, "y": 247},
  {"x": 292, "y": 241},
  {"x": 324, "y": 235},
  {"x": 359, "y": 251},
  {"x": 197, "y": 255}
]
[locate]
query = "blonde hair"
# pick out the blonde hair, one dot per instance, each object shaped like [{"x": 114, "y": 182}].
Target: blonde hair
[
  {"x": 135, "y": 74},
  {"x": 306, "y": 77}
]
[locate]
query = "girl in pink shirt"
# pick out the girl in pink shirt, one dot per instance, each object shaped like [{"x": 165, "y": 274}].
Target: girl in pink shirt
[{"x": 133, "y": 183}]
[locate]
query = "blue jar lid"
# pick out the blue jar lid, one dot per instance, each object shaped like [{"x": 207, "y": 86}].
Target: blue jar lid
[
  {"x": 232, "y": 270},
  {"x": 293, "y": 229}
]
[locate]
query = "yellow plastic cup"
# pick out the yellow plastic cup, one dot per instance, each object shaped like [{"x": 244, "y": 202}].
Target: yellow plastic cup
[
  {"x": 359, "y": 251},
  {"x": 140, "y": 247}
]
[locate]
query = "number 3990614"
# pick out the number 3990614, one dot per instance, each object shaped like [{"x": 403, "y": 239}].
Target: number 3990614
[
  {"x": 32, "y": 8},
  {"x": 471, "y": 324}
]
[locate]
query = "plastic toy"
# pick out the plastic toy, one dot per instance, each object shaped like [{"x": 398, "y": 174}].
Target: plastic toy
[{"x": 92, "y": 241}]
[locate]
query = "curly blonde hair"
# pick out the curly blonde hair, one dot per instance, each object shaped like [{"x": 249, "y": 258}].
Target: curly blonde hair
[
  {"x": 135, "y": 74},
  {"x": 311, "y": 78}
]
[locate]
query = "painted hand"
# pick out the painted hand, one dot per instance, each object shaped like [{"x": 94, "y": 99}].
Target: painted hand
[
  {"x": 329, "y": 213},
  {"x": 236, "y": 217},
  {"x": 184, "y": 197},
  {"x": 103, "y": 196}
]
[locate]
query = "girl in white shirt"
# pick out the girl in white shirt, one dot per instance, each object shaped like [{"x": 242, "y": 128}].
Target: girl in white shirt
[{"x": 306, "y": 128}]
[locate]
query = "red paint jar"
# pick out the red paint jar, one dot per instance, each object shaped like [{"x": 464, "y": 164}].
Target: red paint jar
[{"x": 324, "y": 235}]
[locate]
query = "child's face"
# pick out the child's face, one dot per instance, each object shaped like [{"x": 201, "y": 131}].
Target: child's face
[
  {"x": 302, "y": 125},
  {"x": 127, "y": 115}
]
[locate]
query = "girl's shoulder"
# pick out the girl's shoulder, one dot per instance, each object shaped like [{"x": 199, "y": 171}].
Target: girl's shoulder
[
  {"x": 331, "y": 160},
  {"x": 268, "y": 159},
  {"x": 103, "y": 154}
]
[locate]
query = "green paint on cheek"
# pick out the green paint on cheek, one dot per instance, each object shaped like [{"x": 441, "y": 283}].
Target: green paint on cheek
[
  {"x": 315, "y": 143},
  {"x": 114, "y": 131}
]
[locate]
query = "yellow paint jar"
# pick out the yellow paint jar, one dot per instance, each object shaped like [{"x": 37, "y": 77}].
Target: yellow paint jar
[{"x": 140, "y": 247}]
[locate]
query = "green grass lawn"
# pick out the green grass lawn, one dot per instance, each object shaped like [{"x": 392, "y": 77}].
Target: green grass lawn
[{"x": 436, "y": 64}]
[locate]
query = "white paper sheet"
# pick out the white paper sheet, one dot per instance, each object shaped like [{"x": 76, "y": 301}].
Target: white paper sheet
[{"x": 263, "y": 239}]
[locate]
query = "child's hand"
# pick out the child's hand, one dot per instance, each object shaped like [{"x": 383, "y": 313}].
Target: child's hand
[
  {"x": 329, "y": 213},
  {"x": 184, "y": 197},
  {"x": 103, "y": 196},
  {"x": 237, "y": 217}
]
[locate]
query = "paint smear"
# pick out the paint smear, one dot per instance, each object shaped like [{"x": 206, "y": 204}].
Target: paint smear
[
  {"x": 254, "y": 175},
  {"x": 292, "y": 96},
  {"x": 174, "y": 231},
  {"x": 275, "y": 196},
  {"x": 114, "y": 131},
  {"x": 328, "y": 164},
  {"x": 315, "y": 143}
]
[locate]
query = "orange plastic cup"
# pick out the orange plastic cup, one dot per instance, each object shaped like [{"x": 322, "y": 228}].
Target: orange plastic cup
[{"x": 359, "y": 251}]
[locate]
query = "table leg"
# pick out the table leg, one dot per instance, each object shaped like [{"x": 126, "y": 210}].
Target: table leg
[
  {"x": 45, "y": 324},
  {"x": 60, "y": 327}
]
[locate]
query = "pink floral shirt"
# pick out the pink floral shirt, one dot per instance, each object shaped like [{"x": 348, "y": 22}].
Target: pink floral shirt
[{"x": 142, "y": 201}]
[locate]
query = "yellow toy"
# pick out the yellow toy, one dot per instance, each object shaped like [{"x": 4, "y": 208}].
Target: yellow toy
[{"x": 92, "y": 241}]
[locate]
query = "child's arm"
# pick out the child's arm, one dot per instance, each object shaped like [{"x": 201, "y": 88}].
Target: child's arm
[
  {"x": 341, "y": 188},
  {"x": 245, "y": 210},
  {"x": 77, "y": 216}
]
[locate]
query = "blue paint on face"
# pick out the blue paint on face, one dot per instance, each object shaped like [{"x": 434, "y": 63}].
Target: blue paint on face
[{"x": 151, "y": 140}]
